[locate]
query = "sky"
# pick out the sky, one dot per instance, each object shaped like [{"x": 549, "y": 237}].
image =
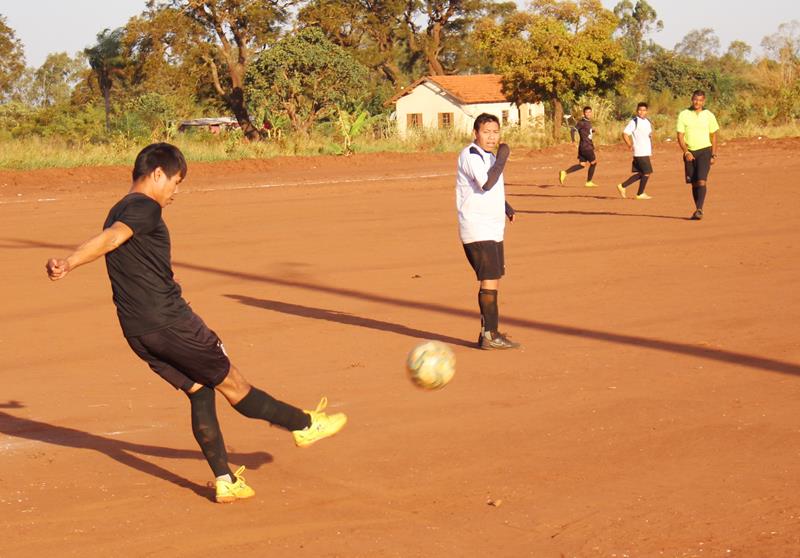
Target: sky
[{"x": 48, "y": 26}]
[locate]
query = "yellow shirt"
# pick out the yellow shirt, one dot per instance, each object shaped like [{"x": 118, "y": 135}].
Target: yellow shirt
[{"x": 696, "y": 127}]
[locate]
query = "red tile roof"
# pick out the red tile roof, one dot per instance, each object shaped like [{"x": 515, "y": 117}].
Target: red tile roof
[{"x": 478, "y": 88}]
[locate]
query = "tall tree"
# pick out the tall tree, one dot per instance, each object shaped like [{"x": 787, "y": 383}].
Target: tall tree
[
  {"x": 636, "y": 22},
  {"x": 107, "y": 63},
  {"x": 784, "y": 47},
  {"x": 702, "y": 44},
  {"x": 165, "y": 50},
  {"x": 234, "y": 31},
  {"x": 304, "y": 78},
  {"x": 436, "y": 29},
  {"x": 556, "y": 52},
  {"x": 373, "y": 30},
  {"x": 12, "y": 60},
  {"x": 54, "y": 79}
]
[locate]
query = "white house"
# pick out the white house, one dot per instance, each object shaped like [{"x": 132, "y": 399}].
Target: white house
[{"x": 455, "y": 101}]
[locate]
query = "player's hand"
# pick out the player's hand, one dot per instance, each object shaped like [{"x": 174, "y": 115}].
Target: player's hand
[
  {"x": 713, "y": 159},
  {"x": 688, "y": 156},
  {"x": 503, "y": 151},
  {"x": 511, "y": 218},
  {"x": 57, "y": 268}
]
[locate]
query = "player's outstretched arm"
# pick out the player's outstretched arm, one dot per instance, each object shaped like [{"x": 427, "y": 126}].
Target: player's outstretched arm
[
  {"x": 108, "y": 240},
  {"x": 503, "y": 151}
]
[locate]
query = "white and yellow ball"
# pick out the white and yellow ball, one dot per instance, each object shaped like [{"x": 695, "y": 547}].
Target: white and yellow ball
[{"x": 431, "y": 365}]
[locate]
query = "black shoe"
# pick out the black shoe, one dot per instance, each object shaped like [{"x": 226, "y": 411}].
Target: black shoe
[
  {"x": 494, "y": 340},
  {"x": 697, "y": 215}
]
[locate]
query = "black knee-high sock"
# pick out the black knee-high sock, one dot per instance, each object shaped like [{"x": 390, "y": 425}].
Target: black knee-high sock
[
  {"x": 591, "y": 172},
  {"x": 260, "y": 405},
  {"x": 487, "y": 301},
  {"x": 642, "y": 184},
  {"x": 207, "y": 432},
  {"x": 574, "y": 168},
  {"x": 630, "y": 180},
  {"x": 699, "y": 195}
]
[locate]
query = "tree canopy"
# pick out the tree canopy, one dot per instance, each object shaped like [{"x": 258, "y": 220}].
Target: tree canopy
[
  {"x": 12, "y": 60},
  {"x": 556, "y": 52},
  {"x": 303, "y": 78}
]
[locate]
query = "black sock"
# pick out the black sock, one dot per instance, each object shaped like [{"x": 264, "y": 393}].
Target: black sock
[
  {"x": 259, "y": 405},
  {"x": 694, "y": 193},
  {"x": 591, "y": 172},
  {"x": 642, "y": 184},
  {"x": 205, "y": 427},
  {"x": 633, "y": 178},
  {"x": 574, "y": 168},
  {"x": 701, "y": 196},
  {"x": 487, "y": 301}
]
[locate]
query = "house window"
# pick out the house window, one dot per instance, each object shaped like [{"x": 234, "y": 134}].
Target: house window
[
  {"x": 504, "y": 118},
  {"x": 414, "y": 120},
  {"x": 445, "y": 120}
]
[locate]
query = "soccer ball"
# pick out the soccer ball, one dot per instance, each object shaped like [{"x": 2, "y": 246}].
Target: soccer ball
[{"x": 431, "y": 365}]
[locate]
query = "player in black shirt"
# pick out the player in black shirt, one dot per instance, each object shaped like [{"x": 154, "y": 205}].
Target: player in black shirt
[
  {"x": 586, "y": 155},
  {"x": 164, "y": 332}
]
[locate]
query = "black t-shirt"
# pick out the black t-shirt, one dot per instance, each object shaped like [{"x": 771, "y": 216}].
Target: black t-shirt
[
  {"x": 585, "y": 131},
  {"x": 145, "y": 293}
]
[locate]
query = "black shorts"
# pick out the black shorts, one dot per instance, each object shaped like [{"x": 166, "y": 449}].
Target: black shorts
[
  {"x": 586, "y": 155},
  {"x": 185, "y": 353},
  {"x": 700, "y": 167},
  {"x": 487, "y": 259},
  {"x": 642, "y": 165}
]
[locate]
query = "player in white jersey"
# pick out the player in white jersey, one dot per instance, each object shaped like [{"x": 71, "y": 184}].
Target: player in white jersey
[
  {"x": 482, "y": 210},
  {"x": 637, "y": 136}
]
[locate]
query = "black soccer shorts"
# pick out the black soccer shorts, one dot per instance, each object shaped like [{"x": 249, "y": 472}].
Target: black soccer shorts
[
  {"x": 487, "y": 258},
  {"x": 184, "y": 353}
]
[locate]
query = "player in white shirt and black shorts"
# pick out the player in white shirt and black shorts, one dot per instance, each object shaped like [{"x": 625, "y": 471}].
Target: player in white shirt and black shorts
[
  {"x": 482, "y": 210},
  {"x": 637, "y": 136}
]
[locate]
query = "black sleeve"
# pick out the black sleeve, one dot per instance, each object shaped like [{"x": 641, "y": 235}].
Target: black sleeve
[
  {"x": 509, "y": 210},
  {"x": 142, "y": 215},
  {"x": 497, "y": 169}
]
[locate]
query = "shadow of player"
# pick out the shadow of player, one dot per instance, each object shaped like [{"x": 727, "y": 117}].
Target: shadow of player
[
  {"x": 347, "y": 319},
  {"x": 118, "y": 450}
]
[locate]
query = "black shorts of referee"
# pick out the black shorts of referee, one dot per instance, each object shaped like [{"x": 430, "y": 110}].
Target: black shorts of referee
[
  {"x": 642, "y": 165},
  {"x": 185, "y": 353},
  {"x": 487, "y": 259},
  {"x": 698, "y": 169}
]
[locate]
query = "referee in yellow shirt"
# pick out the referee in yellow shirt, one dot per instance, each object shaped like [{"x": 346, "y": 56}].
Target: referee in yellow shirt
[{"x": 697, "y": 137}]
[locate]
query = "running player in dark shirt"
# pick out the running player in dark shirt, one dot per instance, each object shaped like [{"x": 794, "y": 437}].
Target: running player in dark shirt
[
  {"x": 586, "y": 154},
  {"x": 164, "y": 332}
]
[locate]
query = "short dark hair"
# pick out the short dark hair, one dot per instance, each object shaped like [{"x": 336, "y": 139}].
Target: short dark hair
[
  {"x": 698, "y": 93},
  {"x": 164, "y": 155},
  {"x": 586, "y": 108},
  {"x": 483, "y": 118},
  {"x": 640, "y": 105}
]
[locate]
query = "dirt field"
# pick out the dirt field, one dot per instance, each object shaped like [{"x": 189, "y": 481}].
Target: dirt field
[{"x": 652, "y": 412}]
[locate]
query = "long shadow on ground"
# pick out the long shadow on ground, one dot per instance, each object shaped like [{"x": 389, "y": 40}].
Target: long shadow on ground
[
  {"x": 118, "y": 450},
  {"x": 610, "y": 213},
  {"x": 347, "y": 319},
  {"x": 719, "y": 355}
]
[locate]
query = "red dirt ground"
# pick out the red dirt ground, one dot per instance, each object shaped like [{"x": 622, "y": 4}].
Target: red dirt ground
[{"x": 652, "y": 412}]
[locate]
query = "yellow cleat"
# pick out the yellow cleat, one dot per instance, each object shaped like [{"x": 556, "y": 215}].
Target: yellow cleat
[
  {"x": 322, "y": 425},
  {"x": 621, "y": 190},
  {"x": 643, "y": 196},
  {"x": 228, "y": 492},
  {"x": 562, "y": 177},
  {"x": 590, "y": 184}
]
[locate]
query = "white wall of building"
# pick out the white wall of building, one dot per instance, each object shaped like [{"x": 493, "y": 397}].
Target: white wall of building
[{"x": 429, "y": 100}]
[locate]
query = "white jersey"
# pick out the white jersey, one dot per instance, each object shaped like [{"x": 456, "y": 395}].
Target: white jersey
[
  {"x": 481, "y": 215},
  {"x": 640, "y": 129}
]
